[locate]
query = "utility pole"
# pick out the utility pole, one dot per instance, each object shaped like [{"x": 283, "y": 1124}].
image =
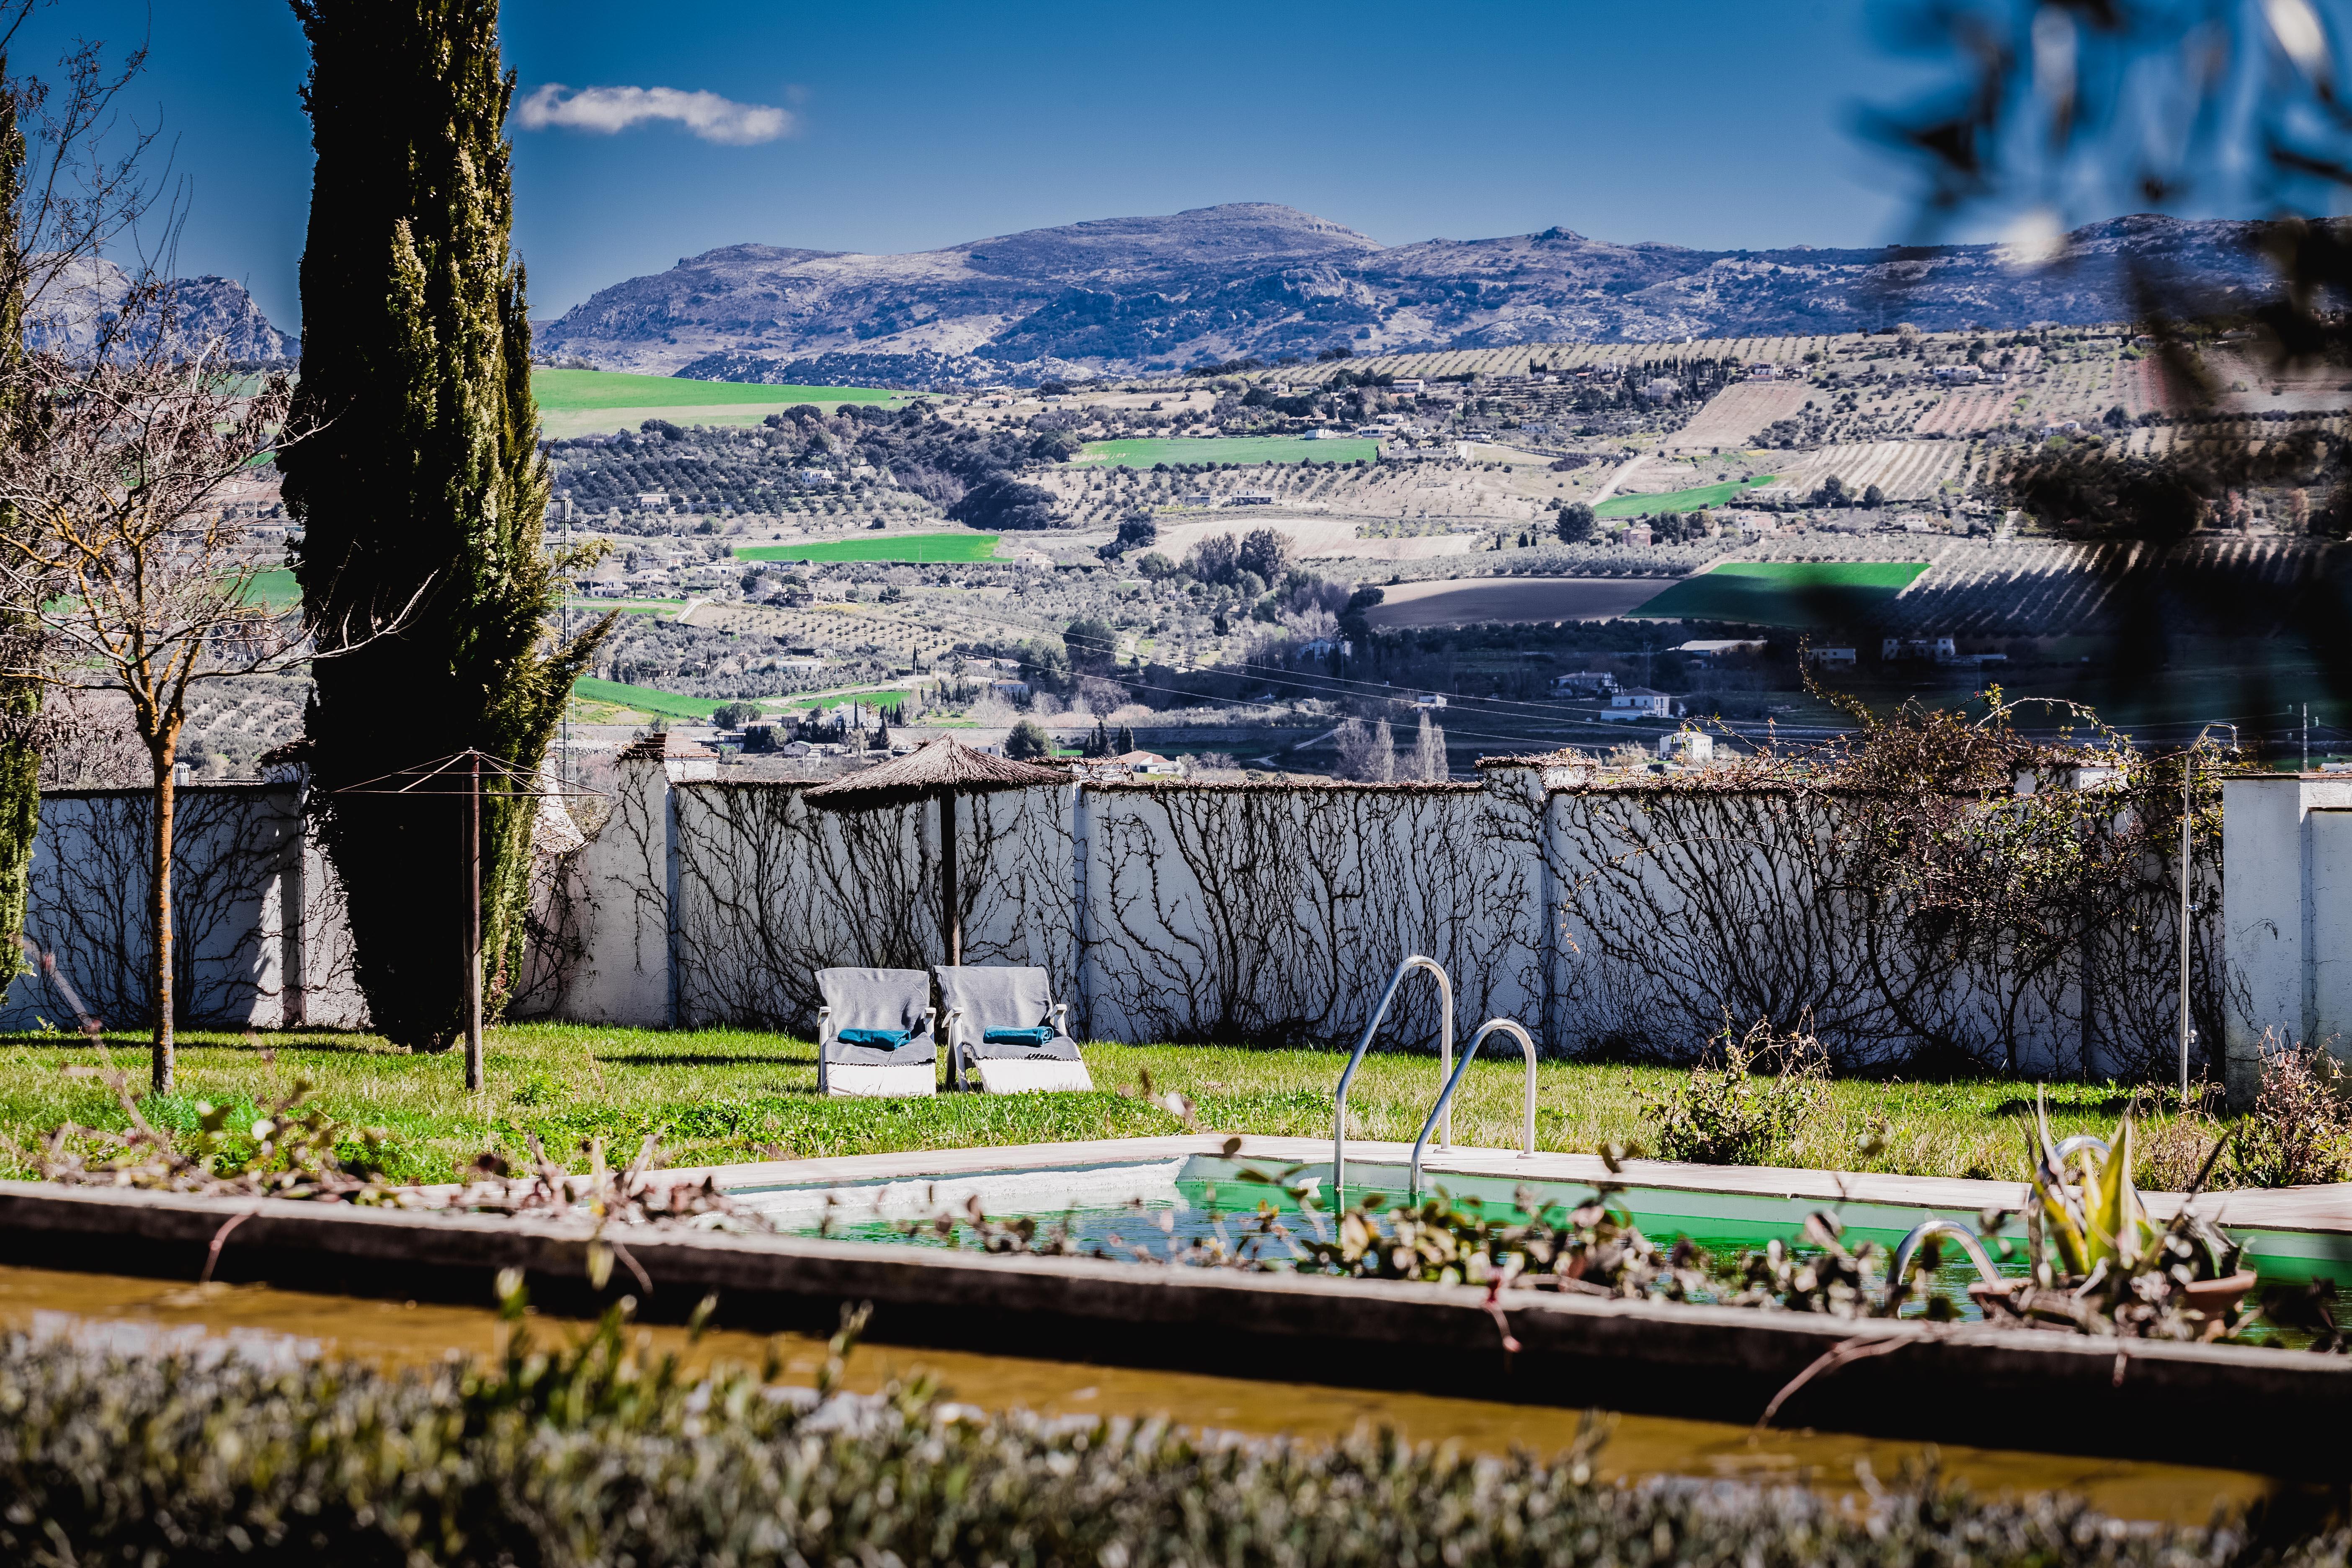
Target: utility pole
[{"x": 2306, "y": 737}]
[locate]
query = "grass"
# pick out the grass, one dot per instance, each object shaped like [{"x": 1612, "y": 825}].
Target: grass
[
  {"x": 1693, "y": 499},
  {"x": 1144, "y": 451},
  {"x": 917, "y": 547},
  {"x": 644, "y": 698},
  {"x": 583, "y": 391},
  {"x": 1784, "y": 592},
  {"x": 717, "y": 1095}
]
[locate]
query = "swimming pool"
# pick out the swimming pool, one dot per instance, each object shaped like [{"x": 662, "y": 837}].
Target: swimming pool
[{"x": 1159, "y": 1195}]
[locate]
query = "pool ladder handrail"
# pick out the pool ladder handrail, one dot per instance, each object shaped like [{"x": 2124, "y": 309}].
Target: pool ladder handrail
[
  {"x": 1909, "y": 1245},
  {"x": 1445, "y": 1056},
  {"x": 1445, "y": 1097}
]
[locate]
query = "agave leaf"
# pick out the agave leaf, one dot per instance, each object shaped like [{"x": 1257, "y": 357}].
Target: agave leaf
[{"x": 2060, "y": 1213}]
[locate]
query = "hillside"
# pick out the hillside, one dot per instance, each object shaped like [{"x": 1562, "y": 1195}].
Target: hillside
[
  {"x": 212, "y": 312},
  {"x": 1142, "y": 294}
]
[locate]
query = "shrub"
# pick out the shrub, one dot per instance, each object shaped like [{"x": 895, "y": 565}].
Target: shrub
[
  {"x": 1027, "y": 742},
  {"x": 2300, "y": 1129},
  {"x": 596, "y": 1456},
  {"x": 1745, "y": 1111}
]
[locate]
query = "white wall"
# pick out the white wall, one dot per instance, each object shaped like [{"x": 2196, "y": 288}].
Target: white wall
[
  {"x": 2287, "y": 918},
  {"x": 1623, "y": 921}
]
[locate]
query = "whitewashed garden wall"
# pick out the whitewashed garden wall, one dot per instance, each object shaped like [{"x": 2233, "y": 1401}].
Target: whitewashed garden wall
[{"x": 1627, "y": 922}]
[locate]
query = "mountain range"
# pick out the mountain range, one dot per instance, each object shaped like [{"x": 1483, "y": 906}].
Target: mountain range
[
  {"x": 1136, "y": 295},
  {"x": 215, "y": 314}
]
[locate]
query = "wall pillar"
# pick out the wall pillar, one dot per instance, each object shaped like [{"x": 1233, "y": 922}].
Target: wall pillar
[
  {"x": 2287, "y": 917},
  {"x": 628, "y": 971}
]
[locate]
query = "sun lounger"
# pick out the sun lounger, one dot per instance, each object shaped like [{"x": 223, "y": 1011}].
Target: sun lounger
[
  {"x": 1014, "y": 1004},
  {"x": 893, "y": 1048}
]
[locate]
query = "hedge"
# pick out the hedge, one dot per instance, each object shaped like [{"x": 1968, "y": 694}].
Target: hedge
[{"x": 596, "y": 1457}]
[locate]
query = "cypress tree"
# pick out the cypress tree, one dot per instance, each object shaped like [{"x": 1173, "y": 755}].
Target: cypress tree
[
  {"x": 20, "y": 695},
  {"x": 422, "y": 492}
]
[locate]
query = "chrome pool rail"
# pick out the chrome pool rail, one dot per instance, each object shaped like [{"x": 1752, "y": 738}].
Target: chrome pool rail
[
  {"x": 1453, "y": 1082},
  {"x": 2068, "y": 1147},
  {"x": 1909, "y": 1245},
  {"x": 1445, "y": 1063}
]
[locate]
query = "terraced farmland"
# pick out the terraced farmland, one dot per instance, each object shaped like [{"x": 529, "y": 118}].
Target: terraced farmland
[
  {"x": 1903, "y": 470},
  {"x": 1143, "y": 452}
]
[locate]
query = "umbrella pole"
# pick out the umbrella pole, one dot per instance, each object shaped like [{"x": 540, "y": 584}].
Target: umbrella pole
[{"x": 950, "y": 909}]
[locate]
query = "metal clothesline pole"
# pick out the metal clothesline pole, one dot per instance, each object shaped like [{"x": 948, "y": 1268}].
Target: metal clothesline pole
[
  {"x": 413, "y": 781},
  {"x": 473, "y": 927}
]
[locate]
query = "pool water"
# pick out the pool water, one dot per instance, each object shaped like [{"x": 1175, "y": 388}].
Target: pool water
[{"x": 1162, "y": 1208}]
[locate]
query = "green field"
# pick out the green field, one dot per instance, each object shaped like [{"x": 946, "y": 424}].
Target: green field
[
  {"x": 644, "y": 699},
  {"x": 915, "y": 547},
  {"x": 276, "y": 588},
  {"x": 579, "y": 391},
  {"x": 1692, "y": 499},
  {"x": 1143, "y": 452},
  {"x": 1801, "y": 594}
]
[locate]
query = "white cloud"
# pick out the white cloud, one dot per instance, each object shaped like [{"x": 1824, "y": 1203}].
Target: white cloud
[{"x": 615, "y": 109}]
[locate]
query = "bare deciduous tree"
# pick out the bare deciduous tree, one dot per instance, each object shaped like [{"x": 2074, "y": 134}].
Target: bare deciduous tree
[{"x": 127, "y": 575}]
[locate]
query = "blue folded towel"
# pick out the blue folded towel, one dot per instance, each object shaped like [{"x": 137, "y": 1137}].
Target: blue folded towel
[
  {"x": 880, "y": 1040},
  {"x": 1040, "y": 1036}
]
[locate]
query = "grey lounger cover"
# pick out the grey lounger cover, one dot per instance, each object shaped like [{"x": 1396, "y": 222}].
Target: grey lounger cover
[
  {"x": 878, "y": 999},
  {"x": 996, "y": 998}
]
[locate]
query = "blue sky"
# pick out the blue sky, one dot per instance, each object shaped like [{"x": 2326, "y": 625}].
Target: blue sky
[{"x": 920, "y": 124}]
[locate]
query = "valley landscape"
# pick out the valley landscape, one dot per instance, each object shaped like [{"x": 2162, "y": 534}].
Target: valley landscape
[{"x": 772, "y": 544}]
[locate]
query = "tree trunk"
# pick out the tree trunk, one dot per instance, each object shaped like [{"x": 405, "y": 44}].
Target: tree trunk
[{"x": 161, "y": 750}]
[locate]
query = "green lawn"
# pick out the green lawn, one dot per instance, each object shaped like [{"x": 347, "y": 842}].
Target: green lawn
[
  {"x": 1784, "y": 592},
  {"x": 717, "y": 1095},
  {"x": 1145, "y": 451},
  {"x": 1692, "y": 499},
  {"x": 644, "y": 698},
  {"x": 580, "y": 391},
  {"x": 917, "y": 547}
]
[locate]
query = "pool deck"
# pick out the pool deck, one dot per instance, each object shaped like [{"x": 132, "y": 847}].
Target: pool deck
[{"x": 2326, "y": 1210}]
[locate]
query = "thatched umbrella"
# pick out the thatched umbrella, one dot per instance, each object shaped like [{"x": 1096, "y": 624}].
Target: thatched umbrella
[{"x": 938, "y": 770}]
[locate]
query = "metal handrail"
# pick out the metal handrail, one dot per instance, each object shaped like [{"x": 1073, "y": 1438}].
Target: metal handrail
[
  {"x": 2067, "y": 1148},
  {"x": 1957, "y": 1232},
  {"x": 1445, "y": 1049},
  {"x": 1445, "y": 1097}
]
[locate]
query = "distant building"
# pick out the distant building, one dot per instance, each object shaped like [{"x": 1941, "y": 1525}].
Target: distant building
[
  {"x": 1915, "y": 522},
  {"x": 1010, "y": 690},
  {"x": 1763, "y": 369},
  {"x": 1836, "y": 656},
  {"x": 1634, "y": 533},
  {"x": 1692, "y": 746},
  {"x": 1583, "y": 683},
  {"x": 1918, "y": 650},
  {"x": 1639, "y": 703},
  {"x": 653, "y": 500},
  {"x": 1251, "y": 497},
  {"x": 1430, "y": 699},
  {"x": 1959, "y": 372},
  {"x": 1404, "y": 388},
  {"x": 1197, "y": 498},
  {"x": 1319, "y": 433}
]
